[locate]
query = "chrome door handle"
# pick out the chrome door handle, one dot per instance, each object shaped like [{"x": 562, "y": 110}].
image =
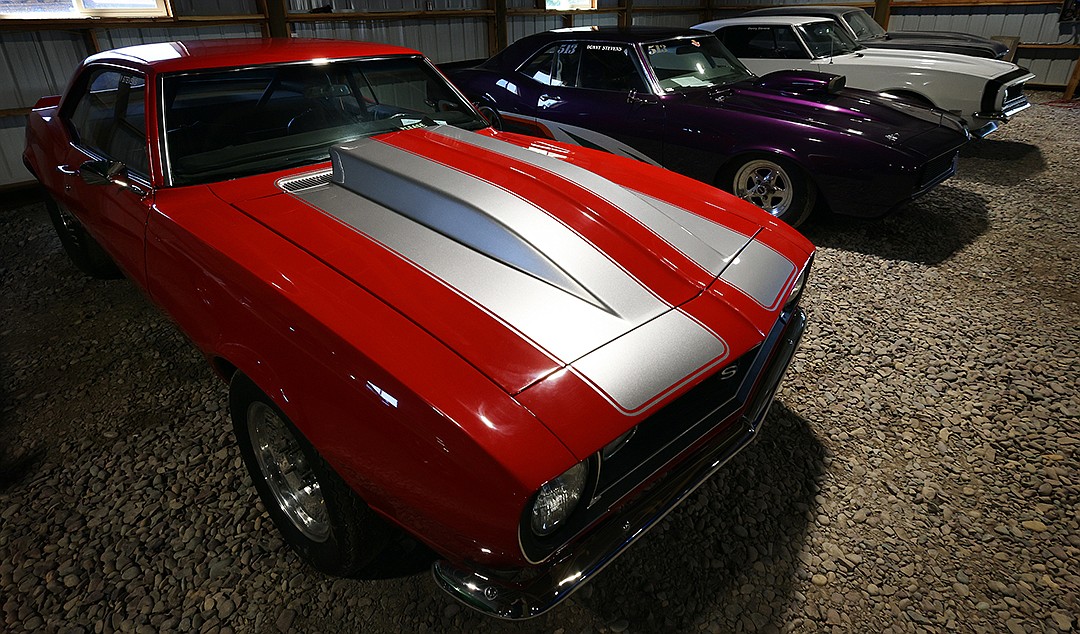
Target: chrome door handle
[{"x": 67, "y": 169}]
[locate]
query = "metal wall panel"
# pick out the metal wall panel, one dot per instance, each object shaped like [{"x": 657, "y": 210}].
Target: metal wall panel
[
  {"x": 214, "y": 7},
  {"x": 519, "y": 26},
  {"x": 445, "y": 40},
  {"x": 115, "y": 38},
  {"x": 12, "y": 139},
  {"x": 35, "y": 64},
  {"x": 346, "y": 6},
  {"x": 673, "y": 20}
]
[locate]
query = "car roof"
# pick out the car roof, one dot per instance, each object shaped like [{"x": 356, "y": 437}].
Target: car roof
[
  {"x": 767, "y": 19},
  {"x": 229, "y": 53},
  {"x": 797, "y": 9},
  {"x": 632, "y": 34}
]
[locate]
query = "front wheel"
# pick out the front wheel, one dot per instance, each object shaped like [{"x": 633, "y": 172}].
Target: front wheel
[
  {"x": 323, "y": 519},
  {"x": 772, "y": 183}
]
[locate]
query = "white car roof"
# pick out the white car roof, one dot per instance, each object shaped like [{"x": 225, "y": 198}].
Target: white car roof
[{"x": 762, "y": 19}]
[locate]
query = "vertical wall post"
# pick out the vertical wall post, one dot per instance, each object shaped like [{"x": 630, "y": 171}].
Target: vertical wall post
[
  {"x": 882, "y": 12},
  {"x": 498, "y": 34},
  {"x": 276, "y": 13}
]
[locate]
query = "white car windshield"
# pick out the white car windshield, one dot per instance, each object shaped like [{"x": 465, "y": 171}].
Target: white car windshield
[
  {"x": 826, "y": 39},
  {"x": 687, "y": 63}
]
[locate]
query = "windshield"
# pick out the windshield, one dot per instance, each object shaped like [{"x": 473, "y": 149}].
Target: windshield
[
  {"x": 237, "y": 122},
  {"x": 686, "y": 63},
  {"x": 826, "y": 38},
  {"x": 863, "y": 25}
]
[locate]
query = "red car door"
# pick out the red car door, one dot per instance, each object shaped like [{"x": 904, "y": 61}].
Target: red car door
[{"x": 105, "y": 169}]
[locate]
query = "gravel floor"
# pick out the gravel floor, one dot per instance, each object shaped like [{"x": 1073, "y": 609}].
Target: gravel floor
[{"x": 919, "y": 471}]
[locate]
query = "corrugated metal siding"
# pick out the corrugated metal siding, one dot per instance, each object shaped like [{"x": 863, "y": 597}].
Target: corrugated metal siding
[
  {"x": 115, "y": 38},
  {"x": 12, "y": 139},
  {"x": 35, "y": 64},
  {"x": 215, "y": 7},
  {"x": 519, "y": 26},
  {"x": 673, "y": 20},
  {"x": 345, "y": 6},
  {"x": 445, "y": 40}
]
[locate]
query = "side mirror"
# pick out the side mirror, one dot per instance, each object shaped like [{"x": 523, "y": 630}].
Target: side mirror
[{"x": 107, "y": 172}]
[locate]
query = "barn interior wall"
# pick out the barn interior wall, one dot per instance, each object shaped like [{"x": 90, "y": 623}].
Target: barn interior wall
[{"x": 34, "y": 63}]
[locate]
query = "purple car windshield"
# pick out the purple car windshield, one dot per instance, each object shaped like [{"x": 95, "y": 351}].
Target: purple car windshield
[{"x": 688, "y": 63}]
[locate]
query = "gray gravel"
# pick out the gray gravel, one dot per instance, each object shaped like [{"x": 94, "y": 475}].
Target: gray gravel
[{"x": 919, "y": 470}]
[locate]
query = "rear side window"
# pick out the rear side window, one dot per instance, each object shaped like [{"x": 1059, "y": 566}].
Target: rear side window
[
  {"x": 609, "y": 67},
  {"x": 762, "y": 42},
  {"x": 109, "y": 117},
  {"x": 556, "y": 65}
]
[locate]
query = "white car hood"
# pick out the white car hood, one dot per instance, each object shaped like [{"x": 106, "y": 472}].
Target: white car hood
[{"x": 920, "y": 60}]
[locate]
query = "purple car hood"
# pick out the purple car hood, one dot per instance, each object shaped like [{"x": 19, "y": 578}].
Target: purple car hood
[{"x": 815, "y": 99}]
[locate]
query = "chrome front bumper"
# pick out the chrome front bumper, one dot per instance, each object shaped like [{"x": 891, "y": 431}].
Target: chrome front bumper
[{"x": 532, "y": 592}]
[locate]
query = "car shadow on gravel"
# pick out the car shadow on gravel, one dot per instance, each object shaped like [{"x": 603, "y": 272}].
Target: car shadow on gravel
[
  {"x": 1000, "y": 162},
  {"x": 743, "y": 555},
  {"x": 928, "y": 230}
]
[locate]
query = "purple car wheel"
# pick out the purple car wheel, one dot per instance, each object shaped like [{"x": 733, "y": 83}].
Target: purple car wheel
[{"x": 776, "y": 186}]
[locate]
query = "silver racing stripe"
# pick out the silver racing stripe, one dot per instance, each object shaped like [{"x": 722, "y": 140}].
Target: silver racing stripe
[
  {"x": 575, "y": 136},
  {"x": 761, "y": 273},
  {"x": 629, "y": 202},
  {"x": 618, "y": 336},
  {"x": 645, "y": 365}
]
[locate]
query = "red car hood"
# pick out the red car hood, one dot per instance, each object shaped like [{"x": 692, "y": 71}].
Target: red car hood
[{"x": 522, "y": 261}]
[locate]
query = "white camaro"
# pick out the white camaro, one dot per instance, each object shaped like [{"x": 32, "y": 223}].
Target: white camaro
[{"x": 985, "y": 92}]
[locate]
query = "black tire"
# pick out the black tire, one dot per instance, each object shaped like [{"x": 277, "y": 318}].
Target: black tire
[
  {"x": 489, "y": 112},
  {"x": 83, "y": 251},
  {"x": 344, "y": 535},
  {"x": 773, "y": 183}
]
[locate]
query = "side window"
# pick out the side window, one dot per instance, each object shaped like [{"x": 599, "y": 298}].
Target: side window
[
  {"x": 787, "y": 45},
  {"x": 556, "y": 65},
  {"x": 109, "y": 117},
  {"x": 757, "y": 42},
  {"x": 609, "y": 67}
]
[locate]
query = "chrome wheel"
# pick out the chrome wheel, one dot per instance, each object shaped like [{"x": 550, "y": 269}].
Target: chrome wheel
[
  {"x": 765, "y": 184},
  {"x": 285, "y": 468}
]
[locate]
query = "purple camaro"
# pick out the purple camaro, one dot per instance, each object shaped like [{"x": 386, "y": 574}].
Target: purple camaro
[{"x": 676, "y": 97}]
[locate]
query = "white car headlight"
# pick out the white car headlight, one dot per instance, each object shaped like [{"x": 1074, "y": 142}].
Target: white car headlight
[{"x": 557, "y": 499}]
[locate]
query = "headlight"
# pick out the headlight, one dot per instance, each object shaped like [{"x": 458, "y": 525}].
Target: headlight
[{"x": 557, "y": 499}]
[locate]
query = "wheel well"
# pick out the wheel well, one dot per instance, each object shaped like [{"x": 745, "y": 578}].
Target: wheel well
[{"x": 224, "y": 368}]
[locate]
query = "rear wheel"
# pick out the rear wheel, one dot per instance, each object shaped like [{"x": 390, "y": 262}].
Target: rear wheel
[
  {"x": 83, "y": 251},
  {"x": 319, "y": 515},
  {"x": 776, "y": 185}
]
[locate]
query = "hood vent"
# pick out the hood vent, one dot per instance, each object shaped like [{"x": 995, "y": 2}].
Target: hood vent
[{"x": 305, "y": 181}]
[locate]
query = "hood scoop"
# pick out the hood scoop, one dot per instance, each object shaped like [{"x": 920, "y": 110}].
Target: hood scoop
[
  {"x": 803, "y": 82},
  {"x": 403, "y": 182}
]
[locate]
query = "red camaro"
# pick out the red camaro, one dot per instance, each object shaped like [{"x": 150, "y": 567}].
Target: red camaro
[{"x": 523, "y": 353}]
